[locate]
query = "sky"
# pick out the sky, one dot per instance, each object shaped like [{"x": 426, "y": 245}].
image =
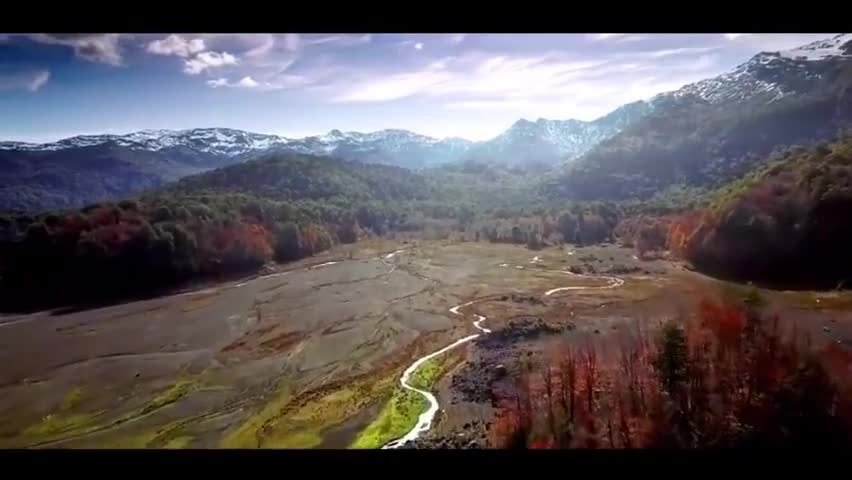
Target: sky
[{"x": 475, "y": 86}]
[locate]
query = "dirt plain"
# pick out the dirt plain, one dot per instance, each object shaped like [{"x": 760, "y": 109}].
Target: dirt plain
[{"x": 305, "y": 357}]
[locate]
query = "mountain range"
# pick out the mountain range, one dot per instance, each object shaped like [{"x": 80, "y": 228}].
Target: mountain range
[
  {"x": 702, "y": 133},
  {"x": 87, "y": 168}
]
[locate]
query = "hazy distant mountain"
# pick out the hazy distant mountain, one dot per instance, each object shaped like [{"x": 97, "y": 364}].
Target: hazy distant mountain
[
  {"x": 718, "y": 129},
  {"x": 547, "y": 142},
  {"x": 88, "y": 168}
]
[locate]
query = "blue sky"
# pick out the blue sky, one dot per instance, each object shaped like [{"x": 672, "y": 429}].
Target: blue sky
[{"x": 53, "y": 86}]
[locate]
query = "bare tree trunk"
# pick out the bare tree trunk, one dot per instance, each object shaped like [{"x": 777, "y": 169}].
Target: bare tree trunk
[
  {"x": 548, "y": 390},
  {"x": 591, "y": 375}
]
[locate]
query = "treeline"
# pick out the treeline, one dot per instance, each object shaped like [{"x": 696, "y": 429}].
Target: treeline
[
  {"x": 107, "y": 250},
  {"x": 727, "y": 378},
  {"x": 581, "y": 224}
]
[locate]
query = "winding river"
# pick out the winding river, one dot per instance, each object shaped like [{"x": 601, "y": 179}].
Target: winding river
[{"x": 424, "y": 421}]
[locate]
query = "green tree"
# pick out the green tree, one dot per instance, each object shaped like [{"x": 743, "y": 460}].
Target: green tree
[
  {"x": 288, "y": 242},
  {"x": 672, "y": 358}
]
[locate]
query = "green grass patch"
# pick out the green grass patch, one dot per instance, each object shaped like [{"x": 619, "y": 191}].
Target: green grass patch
[
  {"x": 72, "y": 398},
  {"x": 306, "y": 438},
  {"x": 428, "y": 373},
  {"x": 401, "y": 412},
  {"x": 139, "y": 440},
  {"x": 174, "y": 393},
  {"x": 303, "y": 426},
  {"x": 62, "y": 420},
  {"x": 59, "y": 422},
  {"x": 246, "y": 435},
  {"x": 395, "y": 420},
  {"x": 178, "y": 442}
]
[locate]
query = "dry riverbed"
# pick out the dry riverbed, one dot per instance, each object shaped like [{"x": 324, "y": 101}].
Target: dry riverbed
[{"x": 311, "y": 356}]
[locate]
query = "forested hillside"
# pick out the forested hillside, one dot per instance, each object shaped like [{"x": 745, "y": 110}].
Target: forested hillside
[
  {"x": 230, "y": 220},
  {"x": 69, "y": 178},
  {"x": 786, "y": 224}
]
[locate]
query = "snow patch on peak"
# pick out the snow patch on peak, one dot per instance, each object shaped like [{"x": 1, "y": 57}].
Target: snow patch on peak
[{"x": 837, "y": 46}]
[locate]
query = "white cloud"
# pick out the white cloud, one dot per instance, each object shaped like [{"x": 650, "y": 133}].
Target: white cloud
[
  {"x": 418, "y": 46},
  {"x": 29, "y": 80},
  {"x": 219, "y": 82},
  {"x": 282, "y": 82},
  {"x": 101, "y": 48},
  {"x": 206, "y": 60},
  {"x": 733, "y": 36},
  {"x": 457, "y": 38},
  {"x": 176, "y": 45},
  {"x": 247, "y": 82}
]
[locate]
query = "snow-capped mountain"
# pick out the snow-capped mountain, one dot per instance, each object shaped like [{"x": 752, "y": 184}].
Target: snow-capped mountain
[
  {"x": 223, "y": 141},
  {"x": 386, "y": 146},
  {"x": 769, "y": 76}
]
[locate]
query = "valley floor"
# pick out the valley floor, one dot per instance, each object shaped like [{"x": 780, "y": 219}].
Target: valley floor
[{"x": 311, "y": 356}]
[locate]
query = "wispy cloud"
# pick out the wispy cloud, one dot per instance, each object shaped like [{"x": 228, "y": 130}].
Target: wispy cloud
[
  {"x": 457, "y": 38},
  {"x": 679, "y": 51},
  {"x": 347, "y": 40},
  {"x": 101, "y": 48},
  {"x": 557, "y": 84},
  {"x": 604, "y": 36},
  {"x": 281, "y": 82},
  {"x": 268, "y": 43},
  {"x": 394, "y": 87},
  {"x": 26, "y": 80}
]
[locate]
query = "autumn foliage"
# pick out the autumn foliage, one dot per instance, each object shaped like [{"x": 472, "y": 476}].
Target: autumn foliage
[
  {"x": 785, "y": 224},
  {"x": 725, "y": 377},
  {"x": 107, "y": 251}
]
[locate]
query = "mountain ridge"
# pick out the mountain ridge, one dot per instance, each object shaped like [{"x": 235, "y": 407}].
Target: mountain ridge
[{"x": 718, "y": 129}]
